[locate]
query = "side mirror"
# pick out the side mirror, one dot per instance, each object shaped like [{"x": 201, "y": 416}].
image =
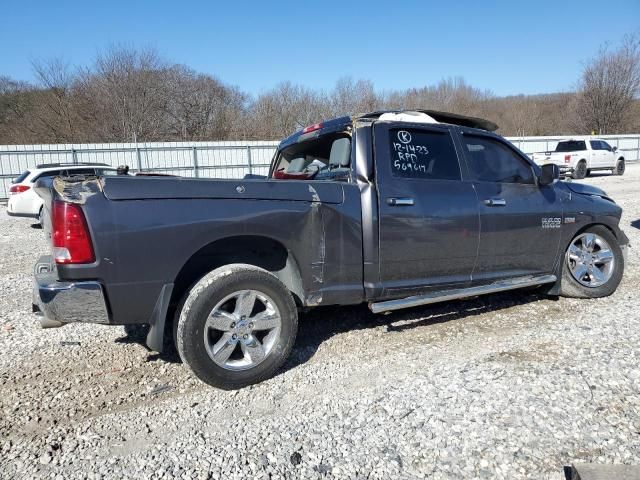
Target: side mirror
[
  {"x": 550, "y": 173},
  {"x": 614, "y": 149}
]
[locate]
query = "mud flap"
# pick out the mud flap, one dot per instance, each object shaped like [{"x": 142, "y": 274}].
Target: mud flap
[{"x": 155, "y": 337}]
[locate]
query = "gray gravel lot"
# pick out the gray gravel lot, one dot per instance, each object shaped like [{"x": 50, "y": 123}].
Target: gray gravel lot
[{"x": 505, "y": 386}]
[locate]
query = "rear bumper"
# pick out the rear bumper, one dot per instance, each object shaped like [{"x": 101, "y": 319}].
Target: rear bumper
[
  {"x": 66, "y": 302},
  {"x": 24, "y": 215},
  {"x": 24, "y": 205}
]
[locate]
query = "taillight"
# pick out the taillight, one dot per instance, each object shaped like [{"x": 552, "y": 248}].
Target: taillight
[
  {"x": 567, "y": 158},
  {"x": 70, "y": 234},
  {"x": 18, "y": 189}
]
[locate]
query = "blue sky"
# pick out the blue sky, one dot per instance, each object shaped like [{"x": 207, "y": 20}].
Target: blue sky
[{"x": 508, "y": 47}]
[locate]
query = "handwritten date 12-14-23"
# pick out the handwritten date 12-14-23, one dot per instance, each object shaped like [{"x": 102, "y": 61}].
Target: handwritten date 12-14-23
[{"x": 409, "y": 157}]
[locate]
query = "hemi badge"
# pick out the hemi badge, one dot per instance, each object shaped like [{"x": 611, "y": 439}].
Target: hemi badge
[{"x": 569, "y": 219}]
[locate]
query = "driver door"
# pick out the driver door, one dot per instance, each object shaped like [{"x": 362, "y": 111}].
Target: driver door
[{"x": 520, "y": 221}]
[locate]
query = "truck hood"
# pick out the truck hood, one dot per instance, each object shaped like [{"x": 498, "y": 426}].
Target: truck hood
[{"x": 584, "y": 189}]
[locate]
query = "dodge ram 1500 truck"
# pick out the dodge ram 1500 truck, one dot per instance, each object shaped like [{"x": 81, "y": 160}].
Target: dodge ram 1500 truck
[
  {"x": 579, "y": 157},
  {"x": 395, "y": 209}
]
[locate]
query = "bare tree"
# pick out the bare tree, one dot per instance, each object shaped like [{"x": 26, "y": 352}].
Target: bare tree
[
  {"x": 55, "y": 114},
  {"x": 199, "y": 106},
  {"x": 124, "y": 95},
  {"x": 349, "y": 97},
  {"x": 284, "y": 109},
  {"x": 609, "y": 86}
]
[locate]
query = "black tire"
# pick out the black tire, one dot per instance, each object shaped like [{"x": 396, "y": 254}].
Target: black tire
[
  {"x": 205, "y": 295},
  {"x": 580, "y": 171},
  {"x": 620, "y": 167},
  {"x": 570, "y": 287}
]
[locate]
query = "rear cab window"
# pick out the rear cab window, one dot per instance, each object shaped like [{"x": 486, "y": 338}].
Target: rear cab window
[
  {"x": 571, "y": 146},
  {"x": 423, "y": 154},
  {"x": 327, "y": 157}
]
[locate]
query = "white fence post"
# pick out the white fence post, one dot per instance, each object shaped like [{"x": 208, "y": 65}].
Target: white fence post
[
  {"x": 249, "y": 163},
  {"x": 196, "y": 173}
]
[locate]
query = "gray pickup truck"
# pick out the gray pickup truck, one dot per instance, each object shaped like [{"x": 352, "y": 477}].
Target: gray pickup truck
[{"x": 394, "y": 209}]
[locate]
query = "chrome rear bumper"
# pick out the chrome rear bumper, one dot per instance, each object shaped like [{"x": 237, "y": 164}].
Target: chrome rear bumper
[{"x": 66, "y": 302}]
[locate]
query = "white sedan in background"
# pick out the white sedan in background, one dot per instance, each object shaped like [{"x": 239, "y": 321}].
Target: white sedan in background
[{"x": 23, "y": 200}]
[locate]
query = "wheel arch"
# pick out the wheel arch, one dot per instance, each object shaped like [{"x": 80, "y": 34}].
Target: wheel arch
[
  {"x": 566, "y": 241},
  {"x": 587, "y": 226},
  {"x": 257, "y": 250}
]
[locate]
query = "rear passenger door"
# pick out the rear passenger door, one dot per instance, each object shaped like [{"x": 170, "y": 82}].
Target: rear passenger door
[
  {"x": 520, "y": 220},
  {"x": 428, "y": 216}
]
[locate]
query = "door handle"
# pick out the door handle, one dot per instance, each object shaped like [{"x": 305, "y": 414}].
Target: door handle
[
  {"x": 495, "y": 202},
  {"x": 399, "y": 201}
]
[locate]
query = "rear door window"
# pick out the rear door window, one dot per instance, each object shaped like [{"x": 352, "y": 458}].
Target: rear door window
[
  {"x": 596, "y": 145},
  {"x": 21, "y": 178},
  {"x": 48, "y": 174},
  {"x": 423, "y": 154}
]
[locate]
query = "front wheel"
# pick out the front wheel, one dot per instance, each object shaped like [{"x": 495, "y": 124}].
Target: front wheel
[
  {"x": 237, "y": 326},
  {"x": 593, "y": 265},
  {"x": 619, "y": 168}
]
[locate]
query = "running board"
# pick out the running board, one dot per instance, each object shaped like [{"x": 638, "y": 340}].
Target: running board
[{"x": 444, "y": 295}]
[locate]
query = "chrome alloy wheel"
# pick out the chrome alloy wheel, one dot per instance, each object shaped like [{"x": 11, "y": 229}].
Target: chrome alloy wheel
[
  {"x": 590, "y": 260},
  {"x": 242, "y": 329}
]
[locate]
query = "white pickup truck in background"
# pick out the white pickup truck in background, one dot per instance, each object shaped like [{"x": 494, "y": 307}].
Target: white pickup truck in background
[{"x": 579, "y": 157}]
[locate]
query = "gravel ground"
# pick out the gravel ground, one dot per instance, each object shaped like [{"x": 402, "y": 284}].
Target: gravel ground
[{"x": 505, "y": 386}]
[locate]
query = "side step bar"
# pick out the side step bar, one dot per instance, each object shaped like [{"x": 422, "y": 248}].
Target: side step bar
[{"x": 444, "y": 295}]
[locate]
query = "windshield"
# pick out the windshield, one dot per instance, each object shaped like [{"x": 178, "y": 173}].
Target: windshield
[
  {"x": 571, "y": 146},
  {"x": 21, "y": 177}
]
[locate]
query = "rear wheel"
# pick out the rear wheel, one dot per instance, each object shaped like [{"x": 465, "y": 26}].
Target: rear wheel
[
  {"x": 619, "y": 168},
  {"x": 580, "y": 171},
  {"x": 593, "y": 265},
  {"x": 237, "y": 326}
]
